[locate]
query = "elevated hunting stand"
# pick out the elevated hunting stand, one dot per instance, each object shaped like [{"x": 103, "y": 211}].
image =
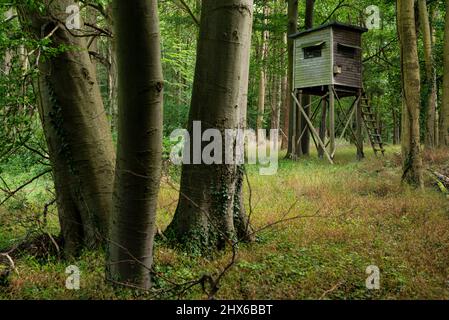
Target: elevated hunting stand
[{"x": 328, "y": 65}]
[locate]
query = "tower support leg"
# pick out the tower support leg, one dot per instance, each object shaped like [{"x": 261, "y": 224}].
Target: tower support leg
[
  {"x": 312, "y": 128},
  {"x": 323, "y": 126},
  {"x": 331, "y": 120},
  {"x": 293, "y": 136},
  {"x": 359, "y": 132}
]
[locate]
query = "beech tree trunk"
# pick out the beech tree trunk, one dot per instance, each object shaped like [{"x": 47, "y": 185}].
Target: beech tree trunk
[
  {"x": 292, "y": 28},
  {"x": 306, "y": 99},
  {"x": 444, "y": 111},
  {"x": 76, "y": 129},
  {"x": 285, "y": 108},
  {"x": 276, "y": 92},
  {"x": 112, "y": 72},
  {"x": 395, "y": 127},
  {"x": 7, "y": 59},
  {"x": 412, "y": 161},
  {"x": 263, "y": 74},
  {"x": 323, "y": 126},
  {"x": 210, "y": 209},
  {"x": 139, "y": 146},
  {"x": 275, "y": 103},
  {"x": 430, "y": 79}
]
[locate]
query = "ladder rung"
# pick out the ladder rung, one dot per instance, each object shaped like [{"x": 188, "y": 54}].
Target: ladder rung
[{"x": 370, "y": 119}]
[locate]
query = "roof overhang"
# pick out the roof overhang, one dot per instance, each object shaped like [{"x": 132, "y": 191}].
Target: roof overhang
[
  {"x": 349, "y": 46},
  {"x": 313, "y": 44},
  {"x": 336, "y": 25}
]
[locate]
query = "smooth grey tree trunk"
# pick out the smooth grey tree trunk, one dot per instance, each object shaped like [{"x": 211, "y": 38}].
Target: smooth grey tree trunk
[
  {"x": 430, "y": 78},
  {"x": 411, "y": 148},
  {"x": 291, "y": 29},
  {"x": 76, "y": 129},
  {"x": 210, "y": 209},
  {"x": 306, "y": 99},
  {"x": 139, "y": 149}
]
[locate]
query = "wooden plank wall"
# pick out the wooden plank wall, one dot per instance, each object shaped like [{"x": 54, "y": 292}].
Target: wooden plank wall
[
  {"x": 351, "y": 68},
  {"x": 316, "y": 71}
]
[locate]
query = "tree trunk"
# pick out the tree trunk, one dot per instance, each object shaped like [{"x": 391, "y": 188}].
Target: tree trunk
[
  {"x": 306, "y": 99},
  {"x": 285, "y": 108},
  {"x": 430, "y": 80},
  {"x": 76, "y": 129},
  {"x": 284, "y": 111},
  {"x": 412, "y": 161},
  {"x": 261, "y": 99},
  {"x": 292, "y": 28},
  {"x": 276, "y": 93},
  {"x": 444, "y": 111},
  {"x": 275, "y": 103},
  {"x": 92, "y": 42},
  {"x": 7, "y": 59},
  {"x": 139, "y": 146},
  {"x": 210, "y": 207},
  {"x": 395, "y": 127},
  {"x": 323, "y": 124},
  {"x": 242, "y": 224},
  {"x": 112, "y": 72},
  {"x": 263, "y": 74}
]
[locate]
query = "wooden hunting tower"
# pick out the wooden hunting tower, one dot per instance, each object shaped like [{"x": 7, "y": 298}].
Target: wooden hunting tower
[{"x": 328, "y": 64}]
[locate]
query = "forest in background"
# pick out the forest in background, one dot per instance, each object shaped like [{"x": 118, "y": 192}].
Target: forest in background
[{"x": 69, "y": 130}]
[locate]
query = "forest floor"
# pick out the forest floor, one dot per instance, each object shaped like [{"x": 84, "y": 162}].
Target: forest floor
[{"x": 350, "y": 216}]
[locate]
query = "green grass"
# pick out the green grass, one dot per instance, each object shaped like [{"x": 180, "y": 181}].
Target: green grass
[{"x": 351, "y": 215}]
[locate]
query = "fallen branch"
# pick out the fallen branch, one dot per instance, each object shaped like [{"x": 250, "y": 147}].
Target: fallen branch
[
  {"x": 441, "y": 177},
  {"x": 11, "y": 262}
]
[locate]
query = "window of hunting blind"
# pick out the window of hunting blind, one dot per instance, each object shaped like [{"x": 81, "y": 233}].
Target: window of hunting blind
[{"x": 313, "y": 51}]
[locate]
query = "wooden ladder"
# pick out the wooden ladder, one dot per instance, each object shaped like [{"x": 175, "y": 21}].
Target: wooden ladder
[{"x": 371, "y": 125}]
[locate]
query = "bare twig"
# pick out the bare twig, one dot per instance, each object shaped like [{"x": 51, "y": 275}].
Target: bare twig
[
  {"x": 184, "y": 6},
  {"x": 12, "y": 193},
  {"x": 331, "y": 290}
]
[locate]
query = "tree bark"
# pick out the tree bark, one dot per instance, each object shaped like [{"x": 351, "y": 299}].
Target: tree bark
[
  {"x": 285, "y": 108},
  {"x": 263, "y": 74},
  {"x": 112, "y": 72},
  {"x": 395, "y": 127},
  {"x": 323, "y": 124},
  {"x": 430, "y": 80},
  {"x": 306, "y": 99},
  {"x": 242, "y": 224},
  {"x": 76, "y": 129},
  {"x": 210, "y": 207},
  {"x": 139, "y": 146},
  {"x": 412, "y": 161},
  {"x": 275, "y": 105},
  {"x": 7, "y": 59},
  {"x": 292, "y": 28},
  {"x": 444, "y": 111}
]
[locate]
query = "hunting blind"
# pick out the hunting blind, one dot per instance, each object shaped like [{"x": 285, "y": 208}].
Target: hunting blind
[{"x": 328, "y": 64}]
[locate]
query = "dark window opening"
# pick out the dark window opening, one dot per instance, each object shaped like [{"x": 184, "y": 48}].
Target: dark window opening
[
  {"x": 347, "y": 51},
  {"x": 312, "y": 52}
]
